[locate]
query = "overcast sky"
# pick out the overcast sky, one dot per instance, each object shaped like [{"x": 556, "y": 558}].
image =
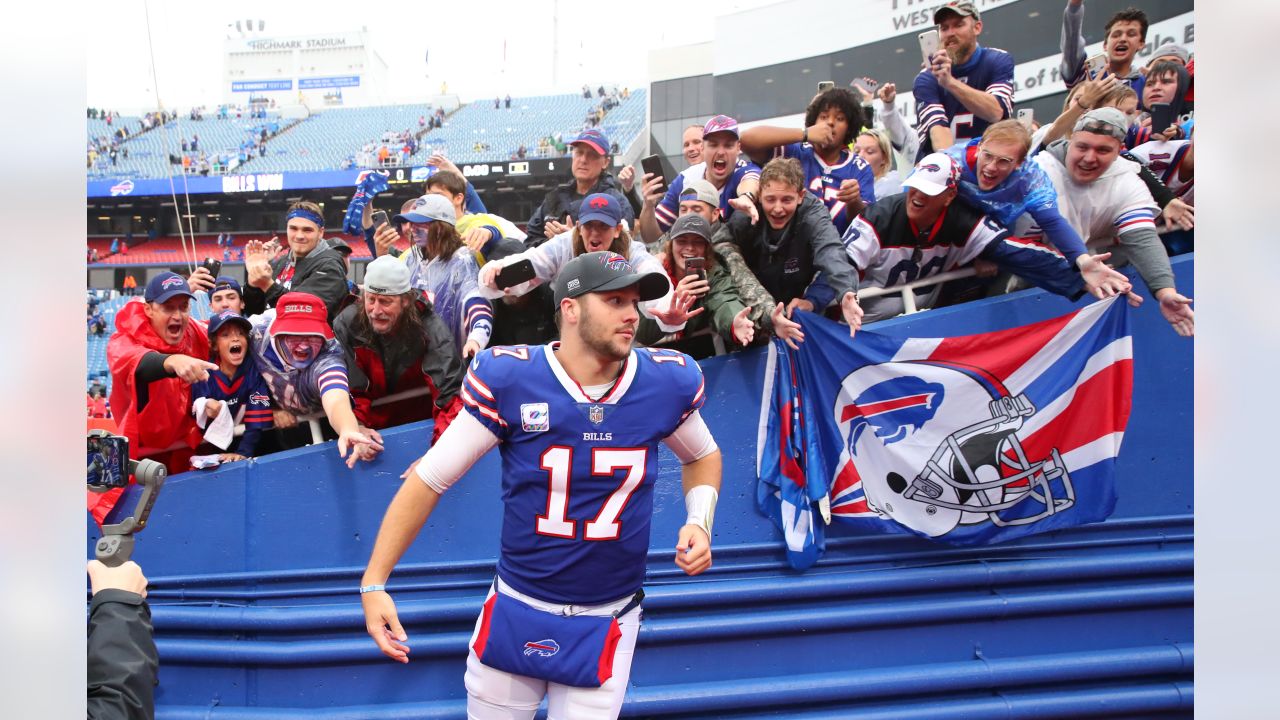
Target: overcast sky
[{"x": 423, "y": 44}]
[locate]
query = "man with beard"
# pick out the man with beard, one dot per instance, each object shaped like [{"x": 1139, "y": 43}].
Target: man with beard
[
  {"x": 393, "y": 342},
  {"x": 235, "y": 392},
  {"x": 965, "y": 87},
  {"x": 294, "y": 349},
  {"x": 155, "y": 355},
  {"x": 578, "y": 423}
]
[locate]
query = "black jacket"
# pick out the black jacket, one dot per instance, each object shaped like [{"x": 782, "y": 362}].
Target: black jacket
[
  {"x": 323, "y": 273},
  {"x": 564, "y": 200},
  {"x": 809, "y": 243},
  {"x": 122, "y": 657}
]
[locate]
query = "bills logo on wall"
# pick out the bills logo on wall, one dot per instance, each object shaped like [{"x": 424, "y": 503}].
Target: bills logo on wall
[{"x": 966, "y": 440}]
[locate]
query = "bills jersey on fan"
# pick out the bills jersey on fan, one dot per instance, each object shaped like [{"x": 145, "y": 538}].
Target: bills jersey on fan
[
  {"x": 669, "y": 209},
  {"x": 824, "y": 180},
  {"x": 1165, "y": 160},
  {"x": 578, "y": 472},
  {"x": 989, "y": 70}
]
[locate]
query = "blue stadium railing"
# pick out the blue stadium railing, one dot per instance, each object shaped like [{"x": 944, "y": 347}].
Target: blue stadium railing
[{"x": 254, "y": 568}]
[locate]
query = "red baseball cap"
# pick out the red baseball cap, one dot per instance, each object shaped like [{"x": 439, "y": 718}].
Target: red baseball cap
[{"x": 299, "y": 313}]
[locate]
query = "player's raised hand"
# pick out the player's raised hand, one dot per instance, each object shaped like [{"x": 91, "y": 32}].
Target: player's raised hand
[
  {"x": 382, "y": 622},
  {"x": 693, "y": 550},
  {"x": 786, "y": 329}
]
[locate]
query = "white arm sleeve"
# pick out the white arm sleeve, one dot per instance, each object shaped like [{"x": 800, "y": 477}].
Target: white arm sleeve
[
  {"x": 459, "y": 447},
  {"x": 691, "y": 441}
]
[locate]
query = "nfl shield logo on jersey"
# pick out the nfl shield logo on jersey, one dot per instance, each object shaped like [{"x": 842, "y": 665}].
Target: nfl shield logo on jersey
[
  {"x": 535, "y": 417},
  {"x": 596, "y": 414}
]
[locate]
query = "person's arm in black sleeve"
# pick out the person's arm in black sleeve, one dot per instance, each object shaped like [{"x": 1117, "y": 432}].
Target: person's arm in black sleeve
[
  {"x": 122, "y": 657},
  {"x": 1159, "y": 191},
  {"x": 327, "y": 281},
  {"x": 442, "y": 363},
  {"x": 535, "y": 231},
  {"x": 255, "y": 301}
]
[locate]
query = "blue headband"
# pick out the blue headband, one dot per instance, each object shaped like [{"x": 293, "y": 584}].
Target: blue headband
[{"x": 305, "y": 214}]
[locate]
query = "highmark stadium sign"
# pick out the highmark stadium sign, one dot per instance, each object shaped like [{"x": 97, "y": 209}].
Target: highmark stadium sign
[{"x": 121, "y": 187}]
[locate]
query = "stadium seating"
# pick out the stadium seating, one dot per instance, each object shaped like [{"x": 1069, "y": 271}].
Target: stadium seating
[
  {"x": 170, "y": 250},
  {"x": 529, "y": 120},
  {"x": 332, "y": 138},
  {"x": 149, "y": 151},
  {"x": 326, "y": 140}
]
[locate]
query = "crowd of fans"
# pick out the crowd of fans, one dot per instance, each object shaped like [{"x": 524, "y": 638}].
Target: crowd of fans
[{"x": 762, "y": 222}]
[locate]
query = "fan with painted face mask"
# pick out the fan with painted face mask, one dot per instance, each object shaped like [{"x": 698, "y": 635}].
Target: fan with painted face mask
[{"x": 294, "y": 349}]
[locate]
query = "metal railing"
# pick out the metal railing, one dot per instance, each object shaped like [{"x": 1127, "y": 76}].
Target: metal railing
[{"x": 907, "y": 290}]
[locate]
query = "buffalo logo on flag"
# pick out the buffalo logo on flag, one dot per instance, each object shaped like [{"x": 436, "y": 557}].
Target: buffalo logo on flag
[
  {"x": 542, "y": 648},
  {"x": 959, "y": 460}
]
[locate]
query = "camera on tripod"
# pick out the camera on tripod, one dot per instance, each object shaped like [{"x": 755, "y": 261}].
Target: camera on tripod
[{"x": 109, "y": 468}]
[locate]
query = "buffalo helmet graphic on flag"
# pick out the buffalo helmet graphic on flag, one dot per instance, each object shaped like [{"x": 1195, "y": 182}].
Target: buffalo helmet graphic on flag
[
  {"x": 959, "y": 460},
  {"x": 968, "y": 440}
]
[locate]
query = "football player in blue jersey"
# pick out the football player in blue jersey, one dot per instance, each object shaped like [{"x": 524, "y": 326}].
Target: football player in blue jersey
[
  {"x": 965, "y": 87},
  {"x": 842, "y": 180},
  {"x": 578, "y": 422}
]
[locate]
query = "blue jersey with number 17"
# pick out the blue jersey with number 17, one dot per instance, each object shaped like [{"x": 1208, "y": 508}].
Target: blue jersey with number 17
[{"x": 578, "y": 473}]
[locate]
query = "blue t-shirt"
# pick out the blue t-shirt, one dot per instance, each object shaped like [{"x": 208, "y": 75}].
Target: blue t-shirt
[
  {"x": 824, "y": 180},
  {"x": 989, "y": 70},
  {"x": 578, "y": 474},
  {"x": 669, "y": 209}
]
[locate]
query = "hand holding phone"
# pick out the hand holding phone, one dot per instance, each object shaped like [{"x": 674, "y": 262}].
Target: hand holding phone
[
  {"x": 514, "y": 274},
  {"x": 1161, "y": 117},
  {"x": 929, "y": 44},
  {"x": 1026, "y": 116},
  {"x": 696, "y": 266},
  {"x": 379, "y": 218},
  {"x": 213, "y": 266},
  {"x": 1096, "y": 64},
  {"x": 652, "y": 165},
  {"x": 825, "y": 85}
]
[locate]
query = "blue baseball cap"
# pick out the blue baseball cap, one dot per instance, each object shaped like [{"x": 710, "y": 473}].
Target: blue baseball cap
[
  {"x": 225, "y": 283},
  {"x": 602, "y": 207},
  {"x": 228, "y": 316},
  {"x": 594, "y": 138},
  {"x": 166, "y": 285}
]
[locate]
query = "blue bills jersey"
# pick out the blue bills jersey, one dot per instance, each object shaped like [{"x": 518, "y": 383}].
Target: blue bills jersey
[
  {"x": 989, "y": 70},
  {"x": 577, "y": 472},
  {"x": 669, "y": 207},
  {"x": 824, "y": 180}
]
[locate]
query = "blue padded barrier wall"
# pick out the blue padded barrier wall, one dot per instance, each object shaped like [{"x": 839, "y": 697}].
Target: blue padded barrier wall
[{"x": 254, "y": 568}]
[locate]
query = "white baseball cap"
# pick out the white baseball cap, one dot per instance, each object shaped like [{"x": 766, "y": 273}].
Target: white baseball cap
[
  {"x": 386, "y": 276},
  {"x": 934, "y": 174}
]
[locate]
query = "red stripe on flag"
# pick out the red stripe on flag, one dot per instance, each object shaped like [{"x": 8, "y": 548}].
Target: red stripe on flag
[
  {"x": 875, "y": 408},
  {"x": 1002, "y": 352},
  {"x": 1100, "y": 407}
]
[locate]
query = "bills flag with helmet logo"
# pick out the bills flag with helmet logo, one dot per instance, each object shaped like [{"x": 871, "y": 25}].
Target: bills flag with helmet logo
[{"x": 967, "y": 440}]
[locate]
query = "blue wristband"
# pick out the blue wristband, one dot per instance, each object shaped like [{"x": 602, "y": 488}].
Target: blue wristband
[{"x": 372, "y": 588}]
